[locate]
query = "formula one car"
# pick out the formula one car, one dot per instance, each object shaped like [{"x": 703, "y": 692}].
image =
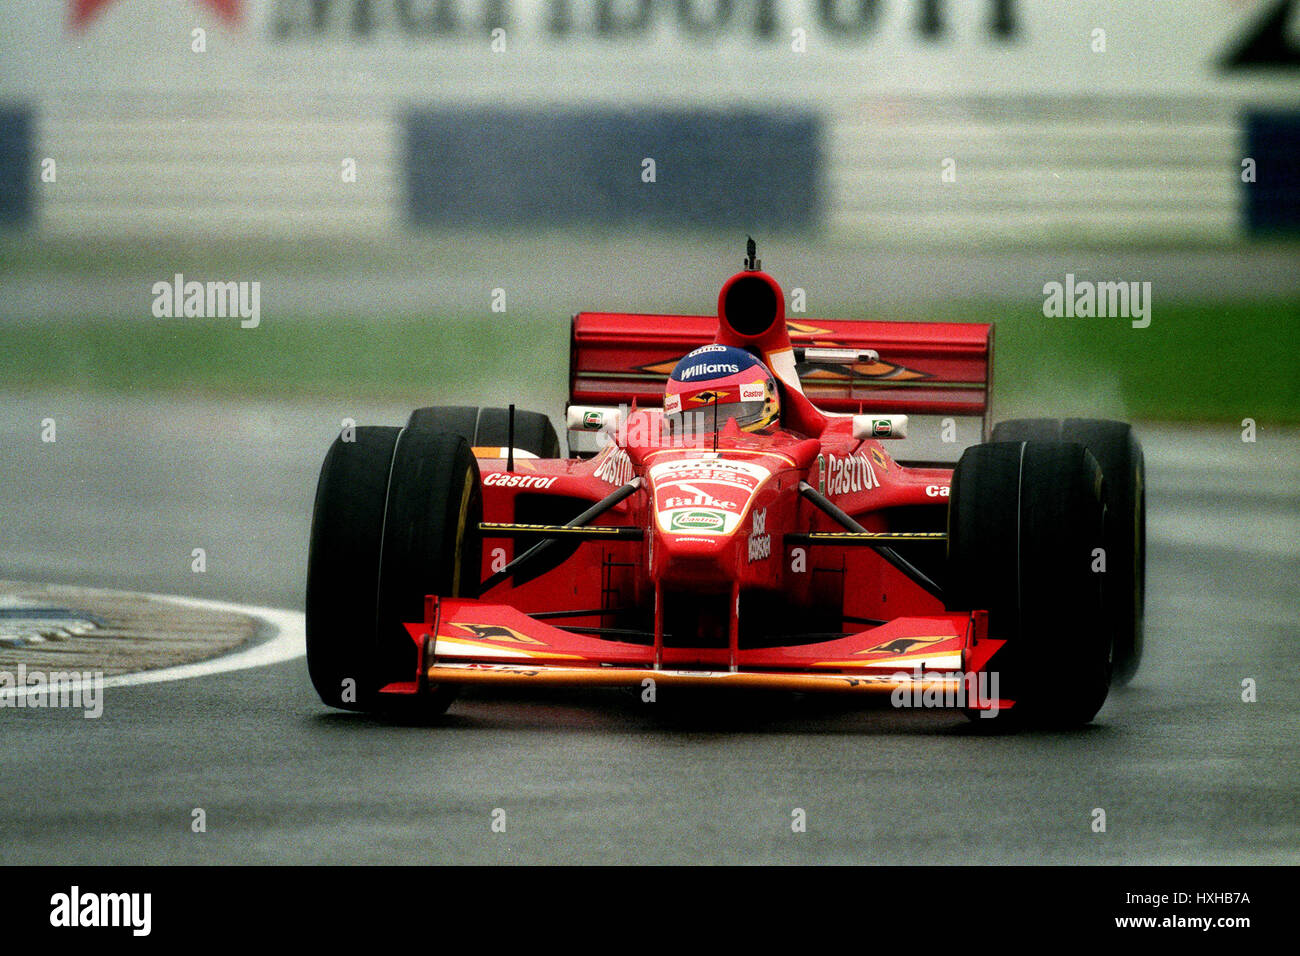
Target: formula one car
[{"x": 732, "y": 516}]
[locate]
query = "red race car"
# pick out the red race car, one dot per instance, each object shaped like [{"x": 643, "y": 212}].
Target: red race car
[{"x": 732, "y": 516}]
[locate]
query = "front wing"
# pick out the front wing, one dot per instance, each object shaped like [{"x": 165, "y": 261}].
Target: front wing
[{"x": 923, "y": 661}]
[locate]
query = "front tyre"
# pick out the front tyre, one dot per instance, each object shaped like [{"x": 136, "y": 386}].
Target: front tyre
[
  {"x": 1119, "y": 453},
  {"x": 490, "y": 427},
  {"x": 431, "y": 542},
  {"x": 343, "y": 567},
  {"x": 1025, "y": 522}
]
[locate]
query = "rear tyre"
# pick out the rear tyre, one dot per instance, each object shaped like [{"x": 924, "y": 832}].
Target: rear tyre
[
  {"x": 343, "y": 567},
  {"x": 1027, "y": 429},
  {"x": 1024, "y": 522},
  {"x": 490, "y": 427},
  {"x": 1119, "y": 454},
  {"x": 431, "y": 543}
]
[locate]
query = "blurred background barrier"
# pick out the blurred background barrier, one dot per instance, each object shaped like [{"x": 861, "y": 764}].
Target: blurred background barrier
[
  {"x": 1027, "y": 169},
  {"x": 1039, "y": 168},
  {"x": 425, "y": 190},
  {"x": 1273, "y": 139},
  {"x": 1005, "y": 120},
  {"x": 212, "y": 165},
  {"x": 1045, "y": 169},
  {"x": 736, "y": 170},
  {"x": 16, "y": 179}
]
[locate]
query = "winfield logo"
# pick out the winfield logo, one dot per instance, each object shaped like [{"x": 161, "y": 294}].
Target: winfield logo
[
  {"x": 77, "y": 909},
  {"x": 208, "y": 300}
]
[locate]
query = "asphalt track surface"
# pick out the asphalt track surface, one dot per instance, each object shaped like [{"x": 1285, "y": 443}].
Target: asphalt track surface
[{"x": 1184, "y": 769}]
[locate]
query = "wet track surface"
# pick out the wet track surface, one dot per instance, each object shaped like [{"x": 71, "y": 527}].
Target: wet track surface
[{"x": 1185, "y": 771}]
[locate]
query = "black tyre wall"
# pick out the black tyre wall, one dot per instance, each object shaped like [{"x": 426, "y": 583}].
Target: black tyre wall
[
  {"x": 1118, "y": 452},
  {"x": 1027, "y": 429},
  {"x": 1025, "y": 520},
  {"x": 431, "y": 540},
  {"x": 490, "y": 427},
  {"x": 533, "y": 431},
  {"x": 343, "y": 564}
]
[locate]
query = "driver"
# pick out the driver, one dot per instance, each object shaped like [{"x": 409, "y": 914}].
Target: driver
[{"x": 721, "y": 380}]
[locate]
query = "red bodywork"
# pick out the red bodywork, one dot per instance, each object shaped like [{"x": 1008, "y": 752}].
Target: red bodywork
[{"x": 724, "y": 586}]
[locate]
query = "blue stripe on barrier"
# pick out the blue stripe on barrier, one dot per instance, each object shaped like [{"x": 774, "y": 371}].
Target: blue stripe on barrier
[
  {"x": 1272, "y": 202},
  {"x": 501, "y": 167},
  {"x": 17, "y": 199}
]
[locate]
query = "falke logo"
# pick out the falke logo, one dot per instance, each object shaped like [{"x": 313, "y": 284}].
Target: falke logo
[{"x": 83, "y": 11}]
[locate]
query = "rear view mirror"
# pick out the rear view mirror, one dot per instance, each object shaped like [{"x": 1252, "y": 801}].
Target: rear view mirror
[{"x": 879, "y": 426}]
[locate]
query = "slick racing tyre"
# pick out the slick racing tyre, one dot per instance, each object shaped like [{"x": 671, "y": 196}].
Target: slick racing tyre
[
  {"x": 343, "y": 567},
  {"x": 490, "y": 427},
  {"x": 1123, "y": 469},
  {"x": 1027, "y": 429},
  {"x": 1025, "y": 521},
  {"x": 431, "y": 543}
]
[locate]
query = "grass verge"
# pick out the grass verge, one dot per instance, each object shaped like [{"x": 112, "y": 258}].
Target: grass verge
[{"x": 1196, "y": 362}]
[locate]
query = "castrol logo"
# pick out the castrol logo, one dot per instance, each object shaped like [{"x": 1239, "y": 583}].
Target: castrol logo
[
  {"x": 504, "y": 479},
  {"x": 614, "y": 465},
  {"x": 847, "y": 475}
]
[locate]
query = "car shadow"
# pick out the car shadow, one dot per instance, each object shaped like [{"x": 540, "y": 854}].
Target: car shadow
[{"x": 695, "y": 713}]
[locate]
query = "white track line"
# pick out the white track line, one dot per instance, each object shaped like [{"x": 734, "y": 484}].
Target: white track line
[{"x": 289, "y": 642}]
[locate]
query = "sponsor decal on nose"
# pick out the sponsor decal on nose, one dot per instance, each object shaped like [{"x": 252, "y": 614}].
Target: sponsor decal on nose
[{"x": 697, "y": 520}]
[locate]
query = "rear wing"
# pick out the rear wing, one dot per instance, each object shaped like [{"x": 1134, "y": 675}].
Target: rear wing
[{"x": 937, "y": 373}]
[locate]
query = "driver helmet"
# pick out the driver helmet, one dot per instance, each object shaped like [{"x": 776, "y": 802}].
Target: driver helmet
[{"x": 721, "y": 380}]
